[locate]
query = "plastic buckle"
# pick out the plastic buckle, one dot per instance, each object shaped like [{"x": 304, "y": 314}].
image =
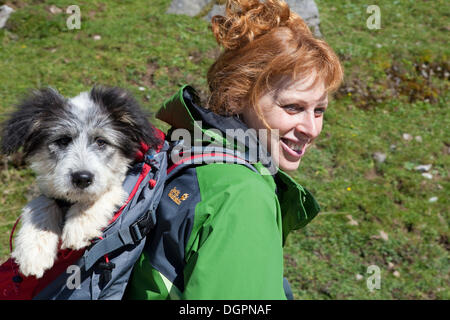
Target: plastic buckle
[
  {"x": 135, "y": 232},
  {"x": 140, "y": 228}
]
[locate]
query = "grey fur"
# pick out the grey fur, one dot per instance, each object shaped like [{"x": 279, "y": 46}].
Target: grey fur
[{"x": 95, "y": 135}]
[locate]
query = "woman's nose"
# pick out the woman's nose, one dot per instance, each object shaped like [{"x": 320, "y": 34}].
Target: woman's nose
[{"x": 309, "y": 125}]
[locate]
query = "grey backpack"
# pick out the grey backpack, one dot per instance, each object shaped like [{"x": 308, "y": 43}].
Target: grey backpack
[{"x": 104, "y": 269}]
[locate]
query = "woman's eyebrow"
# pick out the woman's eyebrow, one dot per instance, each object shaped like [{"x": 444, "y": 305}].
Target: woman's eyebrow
[{"x": 300, "y": 101}]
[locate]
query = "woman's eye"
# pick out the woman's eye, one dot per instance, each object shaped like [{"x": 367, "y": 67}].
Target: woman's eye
[
  {"x": 100, "y": 142},
  {"x": 292, "y": 108},
  {"x": 319, "y": 111},
  {"x": 64, "y": 141}
]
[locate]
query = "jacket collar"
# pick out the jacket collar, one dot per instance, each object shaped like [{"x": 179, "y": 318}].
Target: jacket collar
[
  {"x": 182, "y": 110},
  {"x": 298, "y": 205}
]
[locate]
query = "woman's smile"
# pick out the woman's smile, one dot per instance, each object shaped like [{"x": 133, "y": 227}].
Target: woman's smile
[
  {"x": 293, "y": 148},
  {"x": 295, "y": 113}
]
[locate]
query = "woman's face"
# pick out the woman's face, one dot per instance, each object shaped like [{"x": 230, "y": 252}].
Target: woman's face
[{"x": 296, "y": 111}]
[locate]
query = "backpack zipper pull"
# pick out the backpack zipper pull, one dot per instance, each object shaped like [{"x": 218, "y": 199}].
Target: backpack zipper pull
[{"x": 106, "y": 275}]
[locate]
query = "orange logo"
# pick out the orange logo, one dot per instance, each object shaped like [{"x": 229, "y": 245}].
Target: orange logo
[{"x": 174, "y": 194}]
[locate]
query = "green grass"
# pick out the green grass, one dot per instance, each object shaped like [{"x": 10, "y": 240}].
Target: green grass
[{"x": 141, "y": 46}]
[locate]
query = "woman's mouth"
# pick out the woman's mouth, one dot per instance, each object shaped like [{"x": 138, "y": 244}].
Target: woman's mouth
[{"x": 296, "y": 149}]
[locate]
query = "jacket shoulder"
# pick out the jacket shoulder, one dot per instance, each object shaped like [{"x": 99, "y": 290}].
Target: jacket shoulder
[
  {"x": 239, "y": 214},
  {"x": 233, "y": 194},
  {"x": 233, "y": 178}
]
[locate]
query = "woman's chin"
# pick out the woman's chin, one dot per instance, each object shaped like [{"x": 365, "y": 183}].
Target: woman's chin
[{"x": 289, "y": 166}]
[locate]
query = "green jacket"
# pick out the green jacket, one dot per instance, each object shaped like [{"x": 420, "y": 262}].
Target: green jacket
[{"x": 220, "y": 227}]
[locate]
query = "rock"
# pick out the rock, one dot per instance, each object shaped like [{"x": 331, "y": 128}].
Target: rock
[
  {"x": 97, "y": 37},
  {"x": 423, "y": 168},
  {"x": 379, "y": 157},
  {"x": 418, "y": 139},
  {"x": 396, "y": 274},
  {"x": 407, "y": 137},
  {"x": 351, "y": 221},
  {"x": 54, "y": 9},
  {"x": 427, "y": 175},
  {"x": 187, "y": 7},
  {"x": 359, "y": 277},
  {"x": 217, "y": 9},
  {"x": 5, "y": 12},
  {"x": 384, "y": 235},
  {"x": 433, "y": 199},
  {"x": 307, "y": 9}
]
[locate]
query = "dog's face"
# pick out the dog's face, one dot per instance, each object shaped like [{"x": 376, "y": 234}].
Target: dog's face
[{"x": 78, "y": 147}]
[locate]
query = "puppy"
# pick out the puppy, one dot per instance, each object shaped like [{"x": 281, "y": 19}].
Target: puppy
[{"x": 80, "y": 150}]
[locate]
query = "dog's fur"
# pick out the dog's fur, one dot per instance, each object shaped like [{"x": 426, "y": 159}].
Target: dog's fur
[{"x": 95, "y": 136}]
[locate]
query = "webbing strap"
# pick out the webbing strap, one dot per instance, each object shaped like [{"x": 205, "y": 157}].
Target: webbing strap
[
  {"x": 213, "y": 157},
  {"x": 122, "y": 237},
  {"x": 138, "y": 230}
]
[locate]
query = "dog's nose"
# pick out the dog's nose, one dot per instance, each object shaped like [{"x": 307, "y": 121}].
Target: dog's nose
[{"x": 82, "y": 179}]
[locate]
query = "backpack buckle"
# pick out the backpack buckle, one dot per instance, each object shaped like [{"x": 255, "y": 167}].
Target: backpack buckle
[{"x": 141, "y": 228}]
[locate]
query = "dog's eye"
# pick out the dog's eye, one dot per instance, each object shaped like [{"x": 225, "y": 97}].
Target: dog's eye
[
  {"x": 64, "y": 141},
  {"x": 100, "y": 142}
]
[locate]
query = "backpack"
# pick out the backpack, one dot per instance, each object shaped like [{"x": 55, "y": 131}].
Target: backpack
[{"x": 102, "y": 270}]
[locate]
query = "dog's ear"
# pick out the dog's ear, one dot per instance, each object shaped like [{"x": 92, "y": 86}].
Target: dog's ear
[
  {"x": 22, "y": 128},
  {"x": 129, "y": 117}
]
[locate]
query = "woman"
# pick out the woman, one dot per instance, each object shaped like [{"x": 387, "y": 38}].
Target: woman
[{"x": 221, "y": 227}]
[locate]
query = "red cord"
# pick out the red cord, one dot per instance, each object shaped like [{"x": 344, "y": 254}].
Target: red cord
[
  {"x": 11, "y": 249},
  {"x": 12, "y": 234},
  {"x": 106, "y": 255}
]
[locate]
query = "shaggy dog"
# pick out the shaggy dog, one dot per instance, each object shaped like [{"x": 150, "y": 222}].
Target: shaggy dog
[{"x": 80, "y": 150}]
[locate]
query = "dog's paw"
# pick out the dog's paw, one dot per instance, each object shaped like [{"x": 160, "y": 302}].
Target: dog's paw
[
  {"x": 76, "y": 236},
  {"x": 34, "y": 268},
  {"x": 35, "y": 261},
  {"x": 74, "y": 240},
  {"x": 36, "y": 244}
]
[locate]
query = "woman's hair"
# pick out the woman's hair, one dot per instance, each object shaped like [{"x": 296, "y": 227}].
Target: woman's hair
[{"x": 265, "y": 43}]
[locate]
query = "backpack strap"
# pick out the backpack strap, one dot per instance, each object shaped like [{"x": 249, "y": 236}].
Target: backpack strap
[
  {"x": 134, "y": 233},
  {"x": 127, "y": 235},
  {"x": 153, "y": 170},
  {"x": 200, "y": 156}
]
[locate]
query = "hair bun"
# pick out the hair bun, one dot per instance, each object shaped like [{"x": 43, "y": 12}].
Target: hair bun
[{"x": 245, "y": 20}]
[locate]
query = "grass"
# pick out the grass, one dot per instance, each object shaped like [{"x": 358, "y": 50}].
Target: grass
[{"x": 388, "y": 91}]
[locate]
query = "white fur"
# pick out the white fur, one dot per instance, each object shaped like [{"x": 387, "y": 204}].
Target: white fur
[
  {"x": 82, "y": 102},
  {"x": 86, "y": 221},
  {"x": 36, "y": 244},
  {"x": 43, "y": 223}
]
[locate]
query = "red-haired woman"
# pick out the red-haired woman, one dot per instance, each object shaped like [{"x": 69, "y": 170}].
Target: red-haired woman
[{"x": 221, "y": 227}]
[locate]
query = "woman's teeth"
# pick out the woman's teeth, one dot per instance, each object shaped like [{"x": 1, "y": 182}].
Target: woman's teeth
[{"x": 294, "y": 146}]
